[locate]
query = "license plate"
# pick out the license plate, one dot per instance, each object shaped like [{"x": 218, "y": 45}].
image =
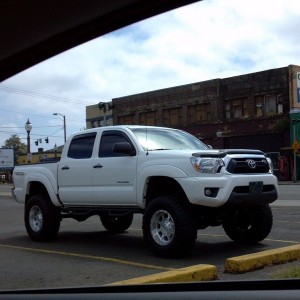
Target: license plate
[{"x": 256, "y": 187}]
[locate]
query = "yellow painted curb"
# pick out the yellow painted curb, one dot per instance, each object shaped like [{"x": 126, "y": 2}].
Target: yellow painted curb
[
  {"x": 254, "y": 261},
  {"x": 189, "y": 274}
]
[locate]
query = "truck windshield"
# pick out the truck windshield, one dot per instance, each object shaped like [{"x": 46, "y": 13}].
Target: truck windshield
[{"x": 167, "y": 139}]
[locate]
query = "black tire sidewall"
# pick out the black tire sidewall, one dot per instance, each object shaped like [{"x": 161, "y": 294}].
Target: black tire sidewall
[
  {"x": 185, "y": 229},
  {"x": 260, "y": 227},
  {"x": 51, "y": 218}
]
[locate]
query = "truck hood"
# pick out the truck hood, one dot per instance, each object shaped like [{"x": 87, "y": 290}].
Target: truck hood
[
  {"x": 205, "y": 153},
  {"x": 224, "y": 152}
]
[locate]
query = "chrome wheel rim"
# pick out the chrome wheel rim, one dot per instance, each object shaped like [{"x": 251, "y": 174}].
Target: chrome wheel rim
[
  {"x": 36, "y": 218},
  {"x": 162, "y": 228}
]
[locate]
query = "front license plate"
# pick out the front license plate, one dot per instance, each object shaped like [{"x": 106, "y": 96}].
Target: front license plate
[{"x": 256, "y": 187}]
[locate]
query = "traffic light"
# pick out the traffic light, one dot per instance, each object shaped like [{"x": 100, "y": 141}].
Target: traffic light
[
  {"x": 47, "y": 140},
  {"x": 36, "y": 142},
  {"x": 102, "y": 106}
]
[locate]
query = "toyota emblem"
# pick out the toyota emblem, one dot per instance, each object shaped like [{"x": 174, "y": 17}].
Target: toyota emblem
[{"x": 251, "y": 163}]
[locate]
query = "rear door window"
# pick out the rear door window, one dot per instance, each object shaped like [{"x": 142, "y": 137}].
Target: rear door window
[{"x": 82, "y": 146}]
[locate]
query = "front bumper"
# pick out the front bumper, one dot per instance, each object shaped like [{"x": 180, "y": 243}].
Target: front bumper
[
  {"x": 232, "y": 189},
  {"x": 239, "y": 198}
]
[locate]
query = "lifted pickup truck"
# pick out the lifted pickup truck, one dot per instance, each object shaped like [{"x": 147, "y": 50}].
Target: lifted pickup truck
[{"x": 178, "y": 183}]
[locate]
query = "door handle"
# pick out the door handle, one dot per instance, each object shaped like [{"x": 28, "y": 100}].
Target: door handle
[
  {"x": 97, "y": 166},
  {"x": 65, "y": 168}
]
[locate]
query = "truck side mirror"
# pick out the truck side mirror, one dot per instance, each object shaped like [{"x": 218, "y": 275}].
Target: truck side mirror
[{"x": 124, "y": 148}]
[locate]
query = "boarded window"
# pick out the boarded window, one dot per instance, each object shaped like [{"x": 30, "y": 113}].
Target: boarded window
[
  {"x": 172, "y": 117},
  {"x": 237, "y": 110},
  {"x": 233, "y": 109},
  {"x": 148, "y": 118},
  {"x": 199, "y": 113},
  {"x": 259, "y": 106},
  {"x": 227, "y": 111},
  {"x": 126, "y": 120},
  {"x": 270, "y": 105}
]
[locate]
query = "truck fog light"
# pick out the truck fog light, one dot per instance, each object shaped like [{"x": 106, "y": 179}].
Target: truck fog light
[
  {"x": 207, "y": 192},
  {"x": 211, "y": 192}
]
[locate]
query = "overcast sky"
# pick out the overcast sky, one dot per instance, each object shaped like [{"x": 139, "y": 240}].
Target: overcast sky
[{"x": 207, "y": 40}]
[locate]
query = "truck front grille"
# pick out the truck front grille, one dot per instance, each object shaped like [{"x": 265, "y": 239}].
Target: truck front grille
[{"x": 248, "y": 165}]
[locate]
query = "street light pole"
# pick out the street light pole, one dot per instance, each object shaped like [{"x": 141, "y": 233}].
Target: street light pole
[
  {"x": 55, "y": 150},
  {"x": 28, "y": 128},
  {"x": 64, "y": 120}
]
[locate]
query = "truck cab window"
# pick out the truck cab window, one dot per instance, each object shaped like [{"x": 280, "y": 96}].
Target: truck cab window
[{"x": 82, "y": 146}]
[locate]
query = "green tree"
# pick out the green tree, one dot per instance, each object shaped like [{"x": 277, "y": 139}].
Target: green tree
[{"x": 15, "y": 143}]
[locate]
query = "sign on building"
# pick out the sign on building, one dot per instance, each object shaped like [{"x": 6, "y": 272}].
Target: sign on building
[{"x": 6, "y": 159}]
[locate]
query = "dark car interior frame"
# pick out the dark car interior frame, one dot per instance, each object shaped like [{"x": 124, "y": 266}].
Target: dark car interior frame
[{"x": 33, "y": 31}]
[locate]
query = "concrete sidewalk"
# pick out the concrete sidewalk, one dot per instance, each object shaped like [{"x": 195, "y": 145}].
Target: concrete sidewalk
[
  {"x": 285, "y": 203},
  {"x": 288, "y": 182}
]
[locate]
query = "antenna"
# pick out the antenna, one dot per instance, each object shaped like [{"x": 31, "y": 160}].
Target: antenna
[{"x": 147, "y": 140}]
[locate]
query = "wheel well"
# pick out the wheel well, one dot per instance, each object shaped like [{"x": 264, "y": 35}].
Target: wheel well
[
  {"x": 35, "y": 188},
  {"x": 161, "y": 185}
]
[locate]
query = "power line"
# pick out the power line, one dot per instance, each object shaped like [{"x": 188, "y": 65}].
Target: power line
[
  {"x": 34, "y": 127},
  {"x": 31, "y": 134},
  {"x": 24, "y": 113},
  {"x": 54, "y": 133},
  {"x": 29, "y": 114},
  {"x": 43, "y": 96}
]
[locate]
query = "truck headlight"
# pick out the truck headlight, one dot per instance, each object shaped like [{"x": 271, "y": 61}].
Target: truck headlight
[
  {"x": 207, "y": 164},
  {"x": 270, "y": 165}
]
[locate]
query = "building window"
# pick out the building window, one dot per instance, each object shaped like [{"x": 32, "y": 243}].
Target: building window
[
  {"x": 268, "y": 105},
  {"x": 234, "y": 109},
  {"x": 148, "y": 118},
  {"x": 172, "y": 117},
  {"x": 95, "y": 124},
  {"x": 279, "y": 104},
  {"x": 259, "y": 106},
  {"x": 227, "y": 111},
  {"x": 237, "y": 111},
  {"x": 199, "y": 113},
  {"x": 126, "y": 120}
]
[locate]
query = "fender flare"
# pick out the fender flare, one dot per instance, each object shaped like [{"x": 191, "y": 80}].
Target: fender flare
[
  {"x": 46, "y": 182},
  {"x": 155, "y": 171}
]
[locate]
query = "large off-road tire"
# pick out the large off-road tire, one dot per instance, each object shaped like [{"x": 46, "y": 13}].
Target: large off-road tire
[
  {"x": 169, "y": 227},
  {"x": 249, "y": 225},
  {"x": 116, "y": 224},
  {"x": 42, "y": 218}
]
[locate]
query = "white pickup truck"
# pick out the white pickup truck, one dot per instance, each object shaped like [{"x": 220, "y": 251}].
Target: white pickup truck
[{"x": 178, "y": 183}]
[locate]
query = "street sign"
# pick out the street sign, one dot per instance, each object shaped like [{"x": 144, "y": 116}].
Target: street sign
[{"x": 6, "y": 159}]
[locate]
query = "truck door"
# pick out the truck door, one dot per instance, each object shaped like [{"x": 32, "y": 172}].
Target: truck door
[
  {"x": 75, "y": 171},
  {"x": 114, "y": 174}
]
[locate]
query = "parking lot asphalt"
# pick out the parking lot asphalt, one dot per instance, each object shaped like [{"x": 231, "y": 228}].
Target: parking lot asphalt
[{"x": 84, "y": 254}]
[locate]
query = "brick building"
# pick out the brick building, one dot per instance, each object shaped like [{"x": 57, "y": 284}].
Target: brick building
[{"x": 247, "y": 111}]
